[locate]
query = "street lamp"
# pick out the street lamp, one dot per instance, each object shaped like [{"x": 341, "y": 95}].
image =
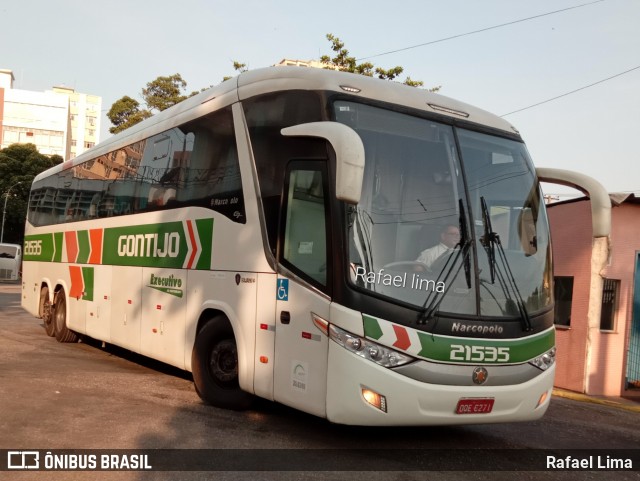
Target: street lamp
[{"x": 4, "y": 211}]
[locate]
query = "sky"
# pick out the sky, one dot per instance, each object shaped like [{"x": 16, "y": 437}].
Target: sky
[{"x": 114, "y": 48}]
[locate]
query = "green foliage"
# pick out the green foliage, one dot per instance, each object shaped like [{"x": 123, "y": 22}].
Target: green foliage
[
  {"x": 164, "y": 92},
  {"x": 19, "y": 164},
  {"x": 158, "y": 95},
  {"x": 124, "y": 113},
  {"x": 346, "y": 63},
  {"x": 238, "y": 67},
  {"x": 418, "y": 83},
  {"x": 342, "y": 60}
]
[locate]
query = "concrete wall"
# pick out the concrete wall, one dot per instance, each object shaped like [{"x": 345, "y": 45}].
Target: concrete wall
[
  {"x": 572, "y": 243},
  {"x": 610, "y": 348}
]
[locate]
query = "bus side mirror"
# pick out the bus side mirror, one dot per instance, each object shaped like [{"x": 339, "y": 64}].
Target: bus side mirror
[
  {"x": 600, "y": 200},
  {"x": 349, "y": 154}
]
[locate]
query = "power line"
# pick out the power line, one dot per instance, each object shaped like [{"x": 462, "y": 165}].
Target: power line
[
  {"x": 573, "y": 91},
  {"x": 478, "y": 31}
]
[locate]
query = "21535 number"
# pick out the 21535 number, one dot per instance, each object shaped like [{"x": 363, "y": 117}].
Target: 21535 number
[{"x": 460, "y": 352}]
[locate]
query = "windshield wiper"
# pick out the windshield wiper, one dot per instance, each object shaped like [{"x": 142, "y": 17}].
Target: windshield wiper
[
  {"x": 490, "y": 240},
  {"x": 465, "y": 241},
  {"x": 432, "y": 302}
]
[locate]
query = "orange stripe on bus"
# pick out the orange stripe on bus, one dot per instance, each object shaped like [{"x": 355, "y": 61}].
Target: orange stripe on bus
[
  {"x": 194, "y": 246},
  {"x": 77, "y": 283},
  {"x": 71, "y": 243},
  {"x": 95, "y": 238}
]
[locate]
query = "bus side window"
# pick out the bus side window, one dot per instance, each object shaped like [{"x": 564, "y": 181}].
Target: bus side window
[{"x": 304, "y": 244}]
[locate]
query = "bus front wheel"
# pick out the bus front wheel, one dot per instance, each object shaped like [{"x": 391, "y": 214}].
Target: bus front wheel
[
  {"x": 214, "y": 363},
  {"x": 62, "y": 332}
]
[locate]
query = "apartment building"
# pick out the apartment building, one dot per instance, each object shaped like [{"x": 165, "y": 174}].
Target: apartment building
[
  {"x": 58, "y": 121},
  {"x": 84, "y": 117}
]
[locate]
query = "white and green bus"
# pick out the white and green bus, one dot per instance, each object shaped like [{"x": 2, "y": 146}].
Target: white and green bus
[{"x": 267, "y": 234}]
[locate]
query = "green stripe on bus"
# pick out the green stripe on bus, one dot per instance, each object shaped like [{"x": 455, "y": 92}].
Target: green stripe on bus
[
  {"x": 465, "y": 350},
  {"x": 39, "y": 247},
  {"x": 88, "y": 278},
  {"x": 205, "y": 233},
  {"x": 150, "y": 245},
  {"x": 57, "y": 242},
  {"x": 84, "y": 247},
  {"x": 371, "y": 327},
  {"x": 487, "y": 351}
]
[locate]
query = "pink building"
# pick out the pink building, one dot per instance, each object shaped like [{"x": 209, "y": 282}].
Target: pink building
[{"x": 597, "y": 313}]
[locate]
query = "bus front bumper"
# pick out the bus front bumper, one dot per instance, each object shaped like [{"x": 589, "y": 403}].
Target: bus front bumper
[{"x": 408, "y": 402}]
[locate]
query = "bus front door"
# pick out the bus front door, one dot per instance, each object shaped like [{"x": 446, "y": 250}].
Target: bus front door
[{"x": 300, "y": 374}]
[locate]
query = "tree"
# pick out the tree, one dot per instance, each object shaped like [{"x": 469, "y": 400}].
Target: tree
[
  {"x": 158, "y": 95},
  {"x": 238, "y": 67},
  {"x": 19, "y": 164},
  {"x": 125, "y": 113},
  {"x": 346, "y": 63},
  {"x": 164, "y": 92}
]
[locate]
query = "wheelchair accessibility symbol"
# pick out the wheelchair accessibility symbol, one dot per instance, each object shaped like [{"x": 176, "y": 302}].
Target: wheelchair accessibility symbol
[{"x": 283, "y": 290}]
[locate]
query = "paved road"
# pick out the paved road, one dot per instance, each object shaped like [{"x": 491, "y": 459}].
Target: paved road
[{"x": 83, "y": 396}]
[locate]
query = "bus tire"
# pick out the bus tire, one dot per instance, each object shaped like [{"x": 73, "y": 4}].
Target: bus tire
[
  {"x": 62, "y": 332},
  {"x": 46, "y": 312},
  {"x": 214, "y": 363}
]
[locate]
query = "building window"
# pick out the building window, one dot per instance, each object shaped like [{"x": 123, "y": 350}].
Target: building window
[
  {"x": 610, "y": 291},
  {"x": 88, "y": 145},
  {"x": 563, "y": 293}
]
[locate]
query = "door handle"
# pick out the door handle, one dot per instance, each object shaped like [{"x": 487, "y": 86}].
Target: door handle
[{"x": 285, "y": 317}]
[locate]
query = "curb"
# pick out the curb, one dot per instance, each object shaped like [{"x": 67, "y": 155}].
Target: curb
[
  {"x": 624, "y": 404},
  {"x": 10, "y": 286}
]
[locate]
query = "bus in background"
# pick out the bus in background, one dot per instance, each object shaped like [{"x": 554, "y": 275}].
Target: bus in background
[
  {"x": 10, "y": 262},
  {"x": 268, "y": 234}
]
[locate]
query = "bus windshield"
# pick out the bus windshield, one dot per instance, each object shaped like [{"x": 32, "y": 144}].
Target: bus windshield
[
  {"x": 450, "y": 220},
  {"x": 8, "y": 251}
]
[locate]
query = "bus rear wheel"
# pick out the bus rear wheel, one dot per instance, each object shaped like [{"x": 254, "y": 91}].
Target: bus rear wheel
[
  {"x": 46, "y": 312},
  {"x": 214, "y": 363},
  {"x": 62, "y": 332}
]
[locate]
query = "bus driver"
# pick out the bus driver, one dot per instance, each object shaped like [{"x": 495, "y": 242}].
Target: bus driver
[{"x": 449, "y": 239}]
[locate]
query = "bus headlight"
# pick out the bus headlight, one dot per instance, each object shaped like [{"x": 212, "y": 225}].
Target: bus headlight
[
  {"x": 368, "y": 349},
  {"x": 546, "y": 360}
]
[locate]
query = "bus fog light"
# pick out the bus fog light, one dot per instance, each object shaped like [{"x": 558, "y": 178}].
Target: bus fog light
[
  {"x": 542, "y": 399},
  {"x": 375, "y": 399},
  {"x": 367, "y": 349}
]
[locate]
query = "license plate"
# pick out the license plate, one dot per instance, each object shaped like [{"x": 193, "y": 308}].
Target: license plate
[{"x": 475, "y": 406}]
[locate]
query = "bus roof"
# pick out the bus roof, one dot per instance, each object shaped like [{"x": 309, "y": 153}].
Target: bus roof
[
  {"x": 273, "y": 79},
  {"x": 255, "y": 82}
]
